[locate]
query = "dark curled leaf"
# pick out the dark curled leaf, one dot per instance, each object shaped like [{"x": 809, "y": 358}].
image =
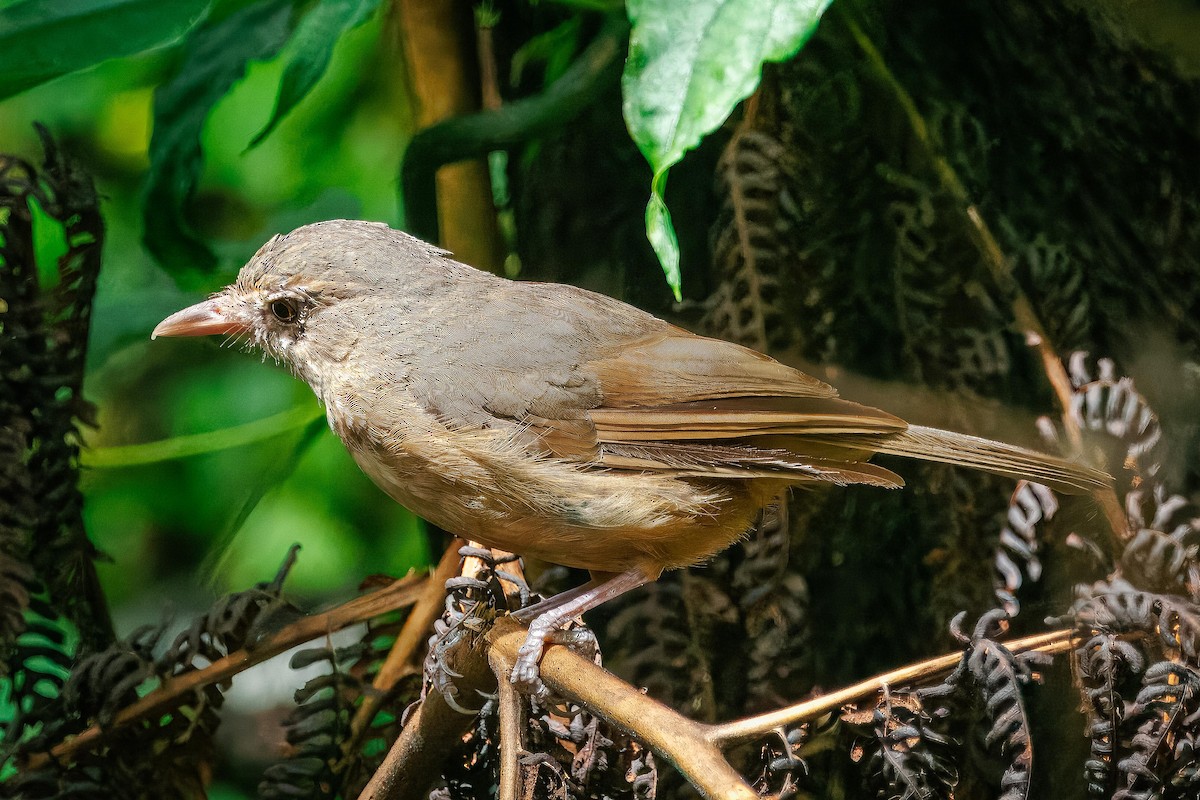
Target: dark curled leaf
[
  {"x": 233, "y": 622},
  {"x": 309, "y": 656},
  {"x": 997, "y": 677},
  {"x": 1113, "y": 405},
  {"x": 36, "y": 663},
  {"x": 750, "y": 243},
  {"x": 908, "y": 757},
  {"x": 318, "y": 727},
  {"x": 1105, "y": 663},
  {"x": 1151, "y": 506},
  {"x": 1179, "y": 625},
  {"x": 43, "y": 337},
  {"x": 1167, "y": 702},
  {"x": 16, "y": 577},
  {"x": 103, "y": 683},
  {"x": 1016, "y": 556},
  {"x": 307, "y": 725},
  {"x": 1114, "y": 606},
  {"x": 782, "y": 768},
  {"x": 1156, "y": 561},
  {"x": 215, "y": 57}
]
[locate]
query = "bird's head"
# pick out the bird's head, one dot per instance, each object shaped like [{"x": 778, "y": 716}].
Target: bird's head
[{"x": 306, "y": 298}]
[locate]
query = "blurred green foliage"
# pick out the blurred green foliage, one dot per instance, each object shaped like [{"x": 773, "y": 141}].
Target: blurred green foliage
[
  {"x": 249, "y": 119},
  {"x": 179, "y": 530}
]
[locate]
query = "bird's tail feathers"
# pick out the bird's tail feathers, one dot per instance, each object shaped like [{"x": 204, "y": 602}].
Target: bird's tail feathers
[{"x": 931, "y": 444}]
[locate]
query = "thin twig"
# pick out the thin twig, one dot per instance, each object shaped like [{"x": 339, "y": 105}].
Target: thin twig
[
  {"x": 173, "y": 692},
  {"x": 741, "y": 730},
  {"x": 511, "y": 727}
]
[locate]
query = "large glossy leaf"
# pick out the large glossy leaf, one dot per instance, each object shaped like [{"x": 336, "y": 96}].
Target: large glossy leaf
[
  {"x": 312, "y": 47},
  {"x": 42, "y": 39},
  {"x": 214, "y": 59},
  {"x": 690, "y": 63}
]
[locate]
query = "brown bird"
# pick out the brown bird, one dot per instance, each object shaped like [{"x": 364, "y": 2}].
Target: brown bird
[{"x": 553, "y": 422}]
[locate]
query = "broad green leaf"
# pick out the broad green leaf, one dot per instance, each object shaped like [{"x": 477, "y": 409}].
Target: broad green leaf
[
  {"x": 313, "y": 45},
  {"x": 43, "y": 39},
  {"x": 214, "y": 59},
  {"x": 279, "y": 471},
  {"x": 133, "y": 455},
  {"x": 690, "y": 63}
]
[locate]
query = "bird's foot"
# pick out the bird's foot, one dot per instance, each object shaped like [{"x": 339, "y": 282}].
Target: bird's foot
[
  {"x": 526, "y": 672},
  {"x": 549, "y": 617}
]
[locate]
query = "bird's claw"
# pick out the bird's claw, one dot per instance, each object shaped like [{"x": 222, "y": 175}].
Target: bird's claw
[{"x": 526, "y": 673}]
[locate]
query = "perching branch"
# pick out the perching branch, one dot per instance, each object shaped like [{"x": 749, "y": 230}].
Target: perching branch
[
  {"x": 670, "y": 734},
  {"x": 695, "y": 748},
  {"x": 511, "y": 713}
]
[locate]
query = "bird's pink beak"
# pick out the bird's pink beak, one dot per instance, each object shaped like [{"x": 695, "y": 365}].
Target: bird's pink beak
[{"x": 203, "y": 319}]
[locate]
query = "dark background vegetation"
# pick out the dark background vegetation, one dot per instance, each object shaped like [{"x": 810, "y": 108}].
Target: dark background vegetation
[{"x": 1074, "y": 129}]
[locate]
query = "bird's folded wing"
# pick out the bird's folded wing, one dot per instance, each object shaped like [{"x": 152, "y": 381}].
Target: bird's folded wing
[
  {"x": 673, "y": 366},
  {"x": 801, "y": 438},
  {"x": 697, "y": 407}
]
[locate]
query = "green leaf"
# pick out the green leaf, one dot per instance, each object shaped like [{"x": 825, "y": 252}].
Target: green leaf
[
  {"x": 133, "y": 455},
  {"x": 43, "y": 39},
  {"x": 215, "y": 57},
  {"x": 279, "y": 471},
  {"x": 313, "y": 44},
  {"x": 690, "y": 63}
]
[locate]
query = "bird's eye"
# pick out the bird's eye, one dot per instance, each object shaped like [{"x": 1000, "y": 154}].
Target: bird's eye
[{"x": 284, "y": 310}]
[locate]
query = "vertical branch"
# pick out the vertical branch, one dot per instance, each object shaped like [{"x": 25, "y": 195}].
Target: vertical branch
[
  {"x": 438, "y": 54},
  {"x": 512, "y": 724}
]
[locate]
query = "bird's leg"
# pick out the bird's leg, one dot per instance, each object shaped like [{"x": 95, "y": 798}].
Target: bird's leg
[
  {"x": 555, "y": 614},
  {"x": 532, "y": 611}
]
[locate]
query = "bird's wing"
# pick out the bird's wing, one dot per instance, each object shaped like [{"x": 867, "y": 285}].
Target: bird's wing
[
  {"x": 586, "y": 378},
  {"x": 590, "y": 379},
  {"x": 671, "y": 366},
  {"x": 697, "y": 407}
]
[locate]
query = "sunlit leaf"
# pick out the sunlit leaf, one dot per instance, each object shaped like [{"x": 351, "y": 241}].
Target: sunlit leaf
[
  {"x": 279, "y": 470},
  {"x": 214, "y": 59},
  {"x": 132, "y": 455},
  {"x": 312, "y": 47},
  {"x": 43, "y": 39},
  {"x": 690, "y": 63}
]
